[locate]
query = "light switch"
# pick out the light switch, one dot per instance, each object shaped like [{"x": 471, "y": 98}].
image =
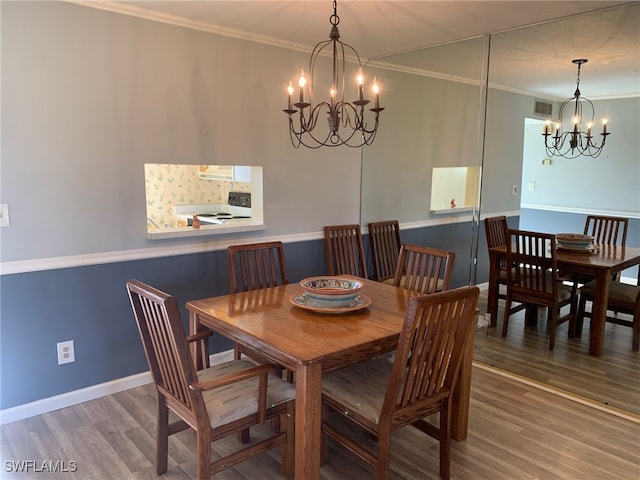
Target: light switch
[
  {"x": 4, "y": 215},
  {"x": 532, "y": 186}
]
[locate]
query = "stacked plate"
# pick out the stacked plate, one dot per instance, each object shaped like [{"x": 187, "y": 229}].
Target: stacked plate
[
  {"x": 575, "y": 242},
  {"x": 332, "y": 294}
]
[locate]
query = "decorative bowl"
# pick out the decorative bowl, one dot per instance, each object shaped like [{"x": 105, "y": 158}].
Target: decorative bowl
[
  {"x": 574, "y": 239},
  {"x": 337, "y": 290}
]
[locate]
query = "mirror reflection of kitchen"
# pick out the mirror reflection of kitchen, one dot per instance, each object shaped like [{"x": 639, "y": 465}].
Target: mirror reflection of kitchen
[{"x": 207, "y": 198}]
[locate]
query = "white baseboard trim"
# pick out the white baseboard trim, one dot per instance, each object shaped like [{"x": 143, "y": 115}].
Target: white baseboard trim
[{"x": 82, "y": 395}]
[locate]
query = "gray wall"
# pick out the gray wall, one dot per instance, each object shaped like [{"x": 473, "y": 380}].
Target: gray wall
[{"x": 90, "y": 96}]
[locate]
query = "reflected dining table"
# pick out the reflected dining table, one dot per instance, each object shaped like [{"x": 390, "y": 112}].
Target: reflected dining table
[
  {"x": 602, "y": 264},
  {"x": 309, "y": 343}
]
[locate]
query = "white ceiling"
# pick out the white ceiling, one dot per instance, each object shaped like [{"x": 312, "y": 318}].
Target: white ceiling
[{"x": 534, "y": 59}]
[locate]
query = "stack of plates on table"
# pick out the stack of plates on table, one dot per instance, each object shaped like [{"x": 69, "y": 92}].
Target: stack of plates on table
[
  {"x": 576, "y": 242},
  {"x": 332, "y": 294}
]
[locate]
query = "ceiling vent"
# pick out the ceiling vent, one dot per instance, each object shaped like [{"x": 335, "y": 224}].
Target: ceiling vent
[{"x": 542, "y": 108}]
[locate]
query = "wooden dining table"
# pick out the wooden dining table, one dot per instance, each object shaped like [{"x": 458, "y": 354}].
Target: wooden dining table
[
  {"x": 310, "y": 343},
  {"x": 602, "y": 264}
]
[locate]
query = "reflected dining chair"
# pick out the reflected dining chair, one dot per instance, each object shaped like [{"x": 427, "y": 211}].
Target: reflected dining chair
[
  {"x": 384, "y": 239},
  {"x": 215, "y": 402},
  {"x": 254, "y": 266},
  {"x": 495, "y": 229},
  {"x": 623, "y": 298},
  {"x": 381, "y": 396},
  {"x": 533, "y": 279},
  {"x": 607, "y": 230},
  {"x": 424, "y": 269},
  {"x": 344, "y": 250}
]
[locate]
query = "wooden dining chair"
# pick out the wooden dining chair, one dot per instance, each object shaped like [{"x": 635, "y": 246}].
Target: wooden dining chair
[
  {"x": 607, "y": 230},
  {"x": 344, "y": 250},
  {"x": 215, "y": 402},
  {"x": 381, "y": 397},
  {"x": 495, "y": 229},
  {"x": 623, "y": 299},
  {"x": 496, "y": 232},
  {"x": 533, "y": 279},
  {"x": 384, "y": 239},
  {"x": 254, "y": 266},
  {"x": 424, "y": 269}
]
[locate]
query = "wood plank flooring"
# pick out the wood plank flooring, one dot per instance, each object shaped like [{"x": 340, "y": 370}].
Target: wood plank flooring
[
  {"x": 516, "y": 431},
  {"x": 611, "y": 380}
]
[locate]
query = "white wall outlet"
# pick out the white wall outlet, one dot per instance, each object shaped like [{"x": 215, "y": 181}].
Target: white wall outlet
[
  {"x": 514, "y": 190},
  {"x": 4, "y": 215},
  {"x": 66, "y": 353}
]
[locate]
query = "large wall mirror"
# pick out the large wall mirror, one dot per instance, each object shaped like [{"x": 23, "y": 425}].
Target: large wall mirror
[{"x": 439, "y": 119}]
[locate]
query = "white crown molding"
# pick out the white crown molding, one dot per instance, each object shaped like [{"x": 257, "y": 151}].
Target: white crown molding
[{"x": 134, "y": 11}]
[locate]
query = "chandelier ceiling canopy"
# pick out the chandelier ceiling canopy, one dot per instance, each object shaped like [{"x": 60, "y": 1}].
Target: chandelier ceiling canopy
[
  {"x": 348, "y": 123},
  {"x": 576, "y": 141}
]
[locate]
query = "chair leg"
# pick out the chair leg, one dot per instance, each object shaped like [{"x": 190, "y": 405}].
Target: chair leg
[
  {"x": 636, "y": 334},
  {"x": 505, "y": 320},
  {"x": 445, "y": 440},
  {"x": 288, "y": 449},
  {"x": 243, "y": 436},
  {"x": 553, "y": 324},
  {"x": 577, "y": 333},
  {"x": 383, "y": 454},
  {"x": 162, "y": 436},
  {"x": 203, "y": 440}
]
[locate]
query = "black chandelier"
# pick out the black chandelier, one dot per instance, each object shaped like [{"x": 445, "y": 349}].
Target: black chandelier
[
  {"x": 346, "y": 123},
  {"x": 575, "y": 142}
]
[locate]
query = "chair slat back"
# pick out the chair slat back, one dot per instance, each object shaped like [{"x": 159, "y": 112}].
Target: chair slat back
[
  {"x": 533, "y": 258},
  {"x": 496, "y": 231},
  {"x": 345, "y": 253},
  {"x": 164, "y": 341},
  {"x": 607, "y": 230},
  {"x": 434, "y": 337},
  {"x": 256, "y": 265},
  {"x": 424, "y": 269},
  {"x": 384, "y": 238}
]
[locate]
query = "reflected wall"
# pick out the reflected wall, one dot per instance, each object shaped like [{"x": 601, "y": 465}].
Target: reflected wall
[
  {"x": 464, "y": 104},
  {"x": 434, "y": 120}
]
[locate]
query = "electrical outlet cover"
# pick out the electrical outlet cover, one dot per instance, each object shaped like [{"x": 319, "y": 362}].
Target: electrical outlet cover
[{"x": 66, "y": 353}]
